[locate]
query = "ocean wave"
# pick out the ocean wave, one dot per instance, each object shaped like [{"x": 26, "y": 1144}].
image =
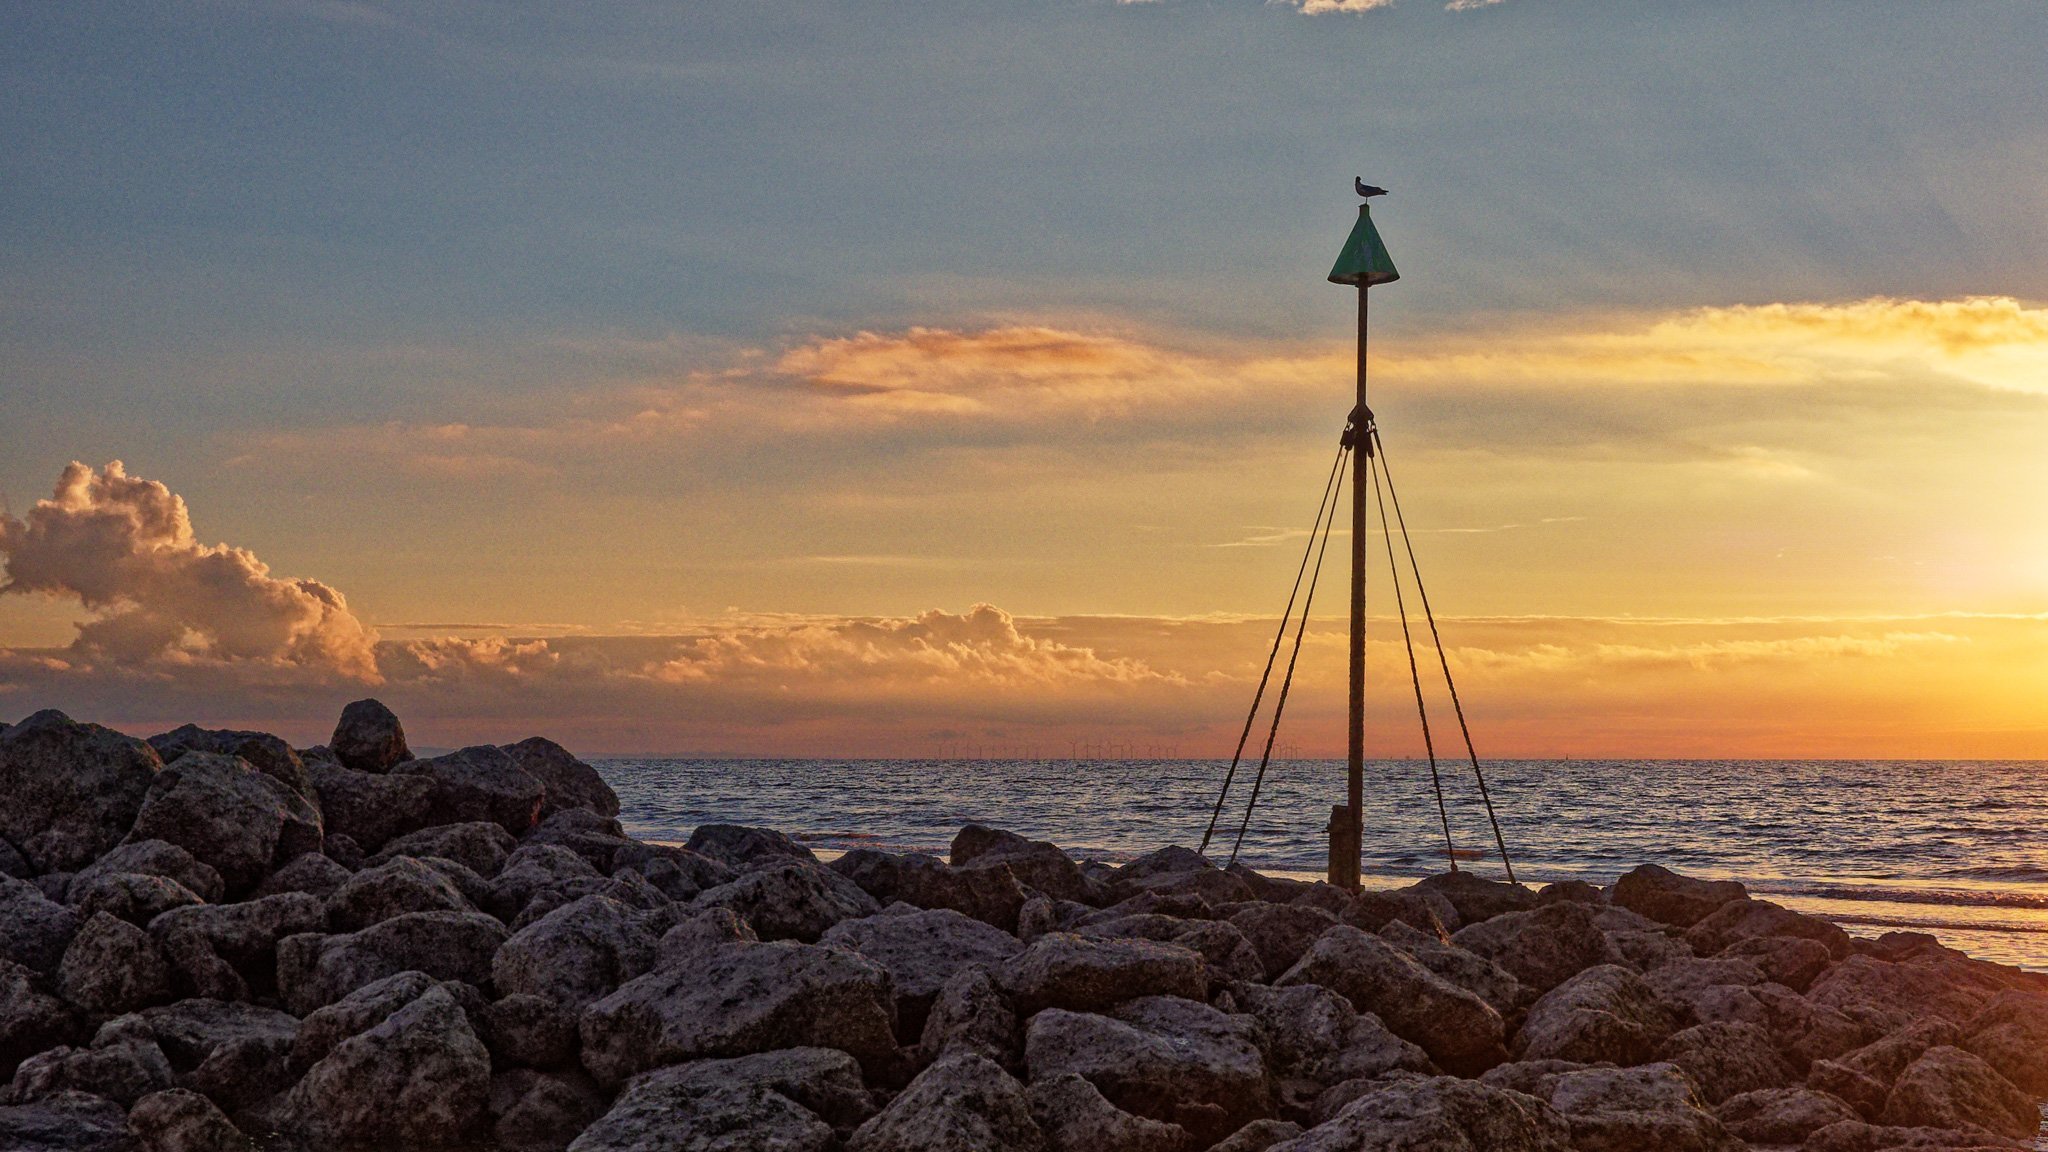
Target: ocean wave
[
  {"x": 2033, "y": 872},
  {"x": 1947, "y": 897}
]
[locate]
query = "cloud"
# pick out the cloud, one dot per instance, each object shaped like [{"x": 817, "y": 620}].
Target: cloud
[
  {"x": 1319, "y": 7},
  {"x": 123, "y": 547}
]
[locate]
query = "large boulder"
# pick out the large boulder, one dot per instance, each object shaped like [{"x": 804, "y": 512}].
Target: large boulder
[
  {"x": 369, "y": 808},
  {"x": 268, "y": 754},
  {"x": 325, "y": 1028},
  {"x": 535, "y": 1111},
  {"x": 113, "y": 967},
  {"x": 970, "y": 1014},
  {"x": 132, "y": 896},
  {"x": 1949, "y": 1088},
  {"x": 420, "y": 1078},
  {"x": 1889, "y": 996},
  {"x": 1784, "y": 1116},
  {"x": 483, "y": 781},
  {"x": 777, "y": 1100},
  {"x": 369, "y": 738},
  {"x": 569, "y": 782},
  {"x": 229, "y": 951},
  {"x": 922, "y": 950},
  {"x": 1173, "y": 1060},
  {"x": 1668, "y": 898},
  {"x": 1606, "y": 1013},
  {"x": 1793, "y": 961},
  {"x": 1802, "y": 1030},
  {"x": 735, "y": 998},
  {"x": 1652, "y": 1106},
  {"x": 1075, "y": 1117},
  {"x": 988, "y": 893},
  {"x": 1439, "y": 1112},
  {"x": 1728, "y": 1059},
  {"x": 234, "y": 1054},
  {"x": 1541, "y": 948},
  {"x": 1477, "y": 898},
  {"x": 72, "y": 789},
  {"x": 180, "y": 1120},
  {"x": 154, "y": 858},
  {"x": 577, "y": 953},
  {"x": 2011, "y": 1035},
  {"x": 1035, "y": 863},
  {"x": 123, "y": 1071},
  {"x": 542, "y": 873},
  {"x": 1458, "y": 1029},
  {"x": 740, "y": 847},
  {"x": 314, "y": 969},
  {"x": 34, "y": 930},
  {"x": 1740, "y": 920},
  {"x": 31, "y": 1019},
  {"x": 393, "y": 888},
  {"x": 528, "y": 1031},
  {"x": 791, "y": 900},
  {"x": 1313, "y": 1038},
  {"x": 67, "y": 1122},
  {"x": 1468, "y": 970},
  {"x": 478, "y": 845},
  {"x": 961, "y": 1101},
  {"x": 229, "y": 816},
  {"x": 1280, "y": 933},
  {"x": 1063, "y": 970}
]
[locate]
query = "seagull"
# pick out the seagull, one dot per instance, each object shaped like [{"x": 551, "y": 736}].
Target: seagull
[{"x": 1367, "y": 190}]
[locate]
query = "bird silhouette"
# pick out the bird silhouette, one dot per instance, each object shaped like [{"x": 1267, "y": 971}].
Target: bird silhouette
[{"x": 1367, "y": 190}]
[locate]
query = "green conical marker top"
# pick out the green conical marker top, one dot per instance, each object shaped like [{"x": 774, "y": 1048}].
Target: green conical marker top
[{"x": 1364, "y": 259}]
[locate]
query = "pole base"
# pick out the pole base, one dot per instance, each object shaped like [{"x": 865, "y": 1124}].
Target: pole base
[{"x": 1344, "y": 847}]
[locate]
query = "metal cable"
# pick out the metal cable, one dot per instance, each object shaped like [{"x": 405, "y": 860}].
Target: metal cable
[{"x": 1414, "y": 672}]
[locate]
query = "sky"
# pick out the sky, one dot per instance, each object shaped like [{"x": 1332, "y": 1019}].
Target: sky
[{"x": 855, "y": 379}]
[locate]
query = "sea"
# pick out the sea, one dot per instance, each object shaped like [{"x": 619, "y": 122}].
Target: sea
[{"x": 1954, "y": 848}]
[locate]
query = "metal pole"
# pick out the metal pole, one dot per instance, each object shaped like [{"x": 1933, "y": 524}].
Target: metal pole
[{"x": 1347, "y": 822}]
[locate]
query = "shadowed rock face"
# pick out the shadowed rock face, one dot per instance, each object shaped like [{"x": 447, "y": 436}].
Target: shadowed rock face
[
  {"x": 1458, "y": 1030},
  {"x": 228, "y": 816},
  {"x": 369, "y": 738},
  {"x": 72, "y": 789},
  {"x": 962, "y": 1101},
  {"x": 1666, "y": 897}
]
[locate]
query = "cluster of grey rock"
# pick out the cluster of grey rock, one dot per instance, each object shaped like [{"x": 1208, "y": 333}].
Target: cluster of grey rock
[{"x": 210, "y": 941}]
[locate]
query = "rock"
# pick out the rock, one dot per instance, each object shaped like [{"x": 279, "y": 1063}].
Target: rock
[
  {"x": 694, "y": 933},
  {"x": 177, "y": 1120},
  {"x": 785, "y": 1100},
  {"x": 1458, "y": 1030},
  {"x": 480, "y": 781},
  {"x": 325, "y": 1028},
  {"x": 369, "y": 738},
  {"x": 122, "y": 1072},
  {"x": 736, "y": 998},
  {"x": 1035, "y": 863},
  {"x": 1477, "y": 898},
  {"x": 969, "y": 1014},
  {"x": 989, "y": 893},
  {"x": 341, "y": 849},
  {"x": 13, "y": 863},
  {"x": 158, "y": 858},
  {"x": 576, "y": 954},
  {"x": 678, "y": 872},
  {"x": 962, "y": 1101},
  {"x": 1793, "y": 961},
  {"x": 922, "y": 950},
  {"x": 1229, "y": 955},
  {"x": 1686, "y": 985},
  {"x": 1470, "y": 971},
  {"x": 1312, "y": 1038},
  {"x": 314, "y": 970},
  {"x": 1280, "y": 933},
  {"x": 1541, "y": 948},
  {"x": 72, "y": 789},
  {"x": 478, "y": 845},
  {"x": 1063, "y": 970},
  {"x": 1075, "y": 1117},
  {"x": 1860, "y": 1090},
  {"x": 1781, "y": 1115},
  {"x": 315, "y": 874},
  {"x": 1646, "y": 951},
  {"x": 113, "y": 967},
  {"x": 193, "y": 1032},
  {"x": 524, "y": 1030},
  {"x": 1666, "y": 897},
  {"x": 67, "y": 1122},
  {"x": 31, "y": 1019},
  {"x": 34, "y": 930},
  {"x": 1440, "y": 1112},
  {"x": 1424, "y": 908},
  {"x": 1949, "y": 1088},
  {"x": 369, "y": 808},
  {"x": 567, "y": 781},
  {"x": 1570, "y": 892},
  {"x": 1607, "y": 1013},
  {"x": 419, "y": 1079},
  {"x": 266, "y": 753},
  {"x": 1747, "y": 919},
  {"x": 1890, "y": 996},
  {"x": 791, "y": 901},
  {"x": 1725, "y": 1059},
  {"x": 1172, "y": 906},
  {"x": 1851, "y": 1136},
  {"x": 1803, "y": 1031},
  {"x": 229, "y": 951},
  {"x": 228, "y": 816},
  {"x": 541, "y": 1111},
  {"x": 1172, "y": 1060},
  {"x": 130, "y": 896},
  {"x": 738, "y": 847},
  {"x": 535, "y": 870},
  {"x": 393, "y": 888},
  {"x": 1621, "y": 1109},
  {"x": 1258, "y": 1136},
  {"x": 2011, "y": 1035}
]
